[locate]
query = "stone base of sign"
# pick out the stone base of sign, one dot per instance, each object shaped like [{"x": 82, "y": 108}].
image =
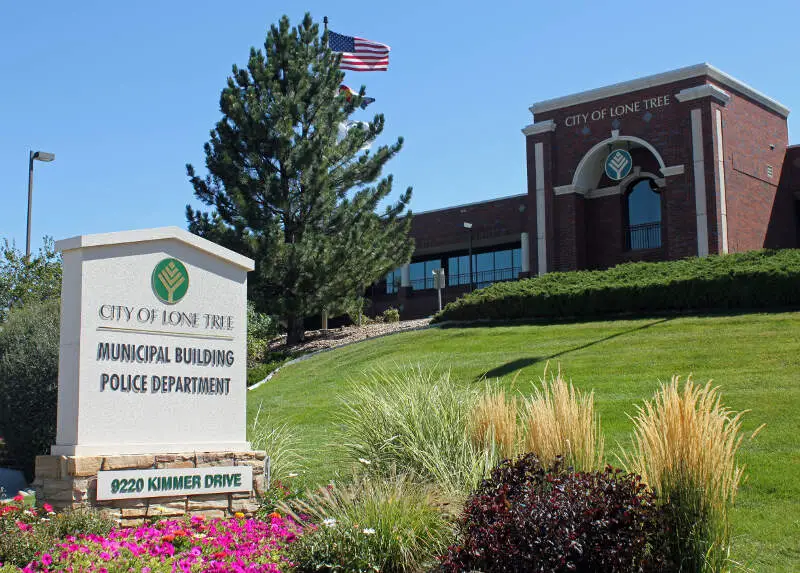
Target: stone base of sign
[{"x": 70, "y": 482}]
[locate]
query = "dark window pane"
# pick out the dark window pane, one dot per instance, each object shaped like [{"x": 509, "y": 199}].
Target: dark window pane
[
  {"x": 452, "y": 271},
  {"x": 485, "y": 262},
  {"x": 502, "y": 260},
  {"x": 463, "y": 268},
  {"x": 644, "y": 204},
  {"x": 644, "y": 217}
]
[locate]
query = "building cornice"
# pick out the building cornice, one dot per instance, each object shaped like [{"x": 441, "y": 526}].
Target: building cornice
[
  {"x": 680, "y": 74},
  {"x": 540, "y": 127},
  {"x": 705, "y": 90}
]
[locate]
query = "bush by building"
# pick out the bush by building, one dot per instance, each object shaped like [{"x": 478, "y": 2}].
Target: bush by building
[
  {"x": 29, "y": 381},
  {"x": 527, "y": 517},
  {"x": 758, "y": 279}
]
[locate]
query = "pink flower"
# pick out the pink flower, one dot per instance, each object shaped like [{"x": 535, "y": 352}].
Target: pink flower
[
  {"x": 18, "y": 498},
  {"x": 23, "y": 526},
  {"x": 47, "y": 559},
  {"x": 48, "y": 508}
]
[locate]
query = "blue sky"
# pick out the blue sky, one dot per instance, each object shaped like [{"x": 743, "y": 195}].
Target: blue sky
[{"x": 125, "y": 93}]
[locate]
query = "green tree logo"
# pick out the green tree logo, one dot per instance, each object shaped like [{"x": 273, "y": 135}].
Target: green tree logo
[{"x": 170, "y": 280}]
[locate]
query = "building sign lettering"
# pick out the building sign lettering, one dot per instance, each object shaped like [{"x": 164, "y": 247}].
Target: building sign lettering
[
  {"x": 137, "y": 484},
  {"x": 617, "y": 110}
]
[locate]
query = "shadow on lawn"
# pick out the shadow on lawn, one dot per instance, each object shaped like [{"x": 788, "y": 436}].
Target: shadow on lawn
[{"x": 521, "y": 363}]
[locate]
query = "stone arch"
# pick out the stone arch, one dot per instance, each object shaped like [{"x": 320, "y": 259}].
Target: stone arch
[{"x": 590, "y": 167}]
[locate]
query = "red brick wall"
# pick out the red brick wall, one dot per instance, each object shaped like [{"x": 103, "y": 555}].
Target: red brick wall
[
  {"x": 783, "y": 230},
  {"x": 490, "y": 220},
  {"x": 748, "y": 129}
]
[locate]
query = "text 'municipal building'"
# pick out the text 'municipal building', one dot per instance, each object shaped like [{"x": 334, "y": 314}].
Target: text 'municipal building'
[{"x": 685, "y": 163}]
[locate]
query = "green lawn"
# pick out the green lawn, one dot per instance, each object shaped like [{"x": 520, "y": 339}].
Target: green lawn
[{"x": 754, "y": 358}]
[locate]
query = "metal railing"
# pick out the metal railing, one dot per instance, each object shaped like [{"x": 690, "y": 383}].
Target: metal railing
[{"x": 644, "y": 236}]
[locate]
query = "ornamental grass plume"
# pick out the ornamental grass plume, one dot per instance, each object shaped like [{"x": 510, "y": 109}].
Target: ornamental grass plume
[
  {"x": 493, "y": 422},
  {"x": 390, "y": 524},
  {"x": 684, "y": 446},
  {"x": 559, "y": 420},
  {"x": 414, "y": 421},
  {"x": 279, "y": 442}
]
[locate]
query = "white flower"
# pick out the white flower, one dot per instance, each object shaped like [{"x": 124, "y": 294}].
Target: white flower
[
  {"x": 292, "y": 475},
  {"x": 329, "y": 522},
  {"x": 365, "y": 462},
  {"x": 369, "y": 531}
]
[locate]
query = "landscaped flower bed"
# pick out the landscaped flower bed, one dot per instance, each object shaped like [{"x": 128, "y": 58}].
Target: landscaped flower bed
[{"x": 194, "y": 544}]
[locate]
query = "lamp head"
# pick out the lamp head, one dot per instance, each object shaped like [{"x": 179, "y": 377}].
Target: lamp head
[
  {"x": 44, "y": 156},
  {"x": 467, "y": 225}
]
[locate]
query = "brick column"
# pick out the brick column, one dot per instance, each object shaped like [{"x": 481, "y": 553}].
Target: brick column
[
  {"x": 700, "y": 97},
  {"x": 540, "y": 189}
]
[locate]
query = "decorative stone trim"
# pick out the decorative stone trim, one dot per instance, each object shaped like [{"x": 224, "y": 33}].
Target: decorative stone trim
[
  {"x": 70, "y": 482},
  {"x": 672, "y": 170},
  {"x": 646, "y": 82},
  {"x": 705, "y": 90},
  {"x": 540, "y": 127},
  {"x": 567, "y": 189}
]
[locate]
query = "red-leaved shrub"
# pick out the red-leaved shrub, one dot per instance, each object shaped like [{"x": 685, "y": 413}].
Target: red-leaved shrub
[{"x": 529, "y": 518}]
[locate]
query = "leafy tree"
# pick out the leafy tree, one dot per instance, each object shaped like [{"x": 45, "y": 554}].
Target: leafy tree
[
  {"x": 288, "y": 191},
  {"x": 29, "y": 381},
  {"x": 28, "y": 279}
]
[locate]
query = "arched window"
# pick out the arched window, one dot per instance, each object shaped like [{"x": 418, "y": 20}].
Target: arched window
[{"x": 644, "y": 216}]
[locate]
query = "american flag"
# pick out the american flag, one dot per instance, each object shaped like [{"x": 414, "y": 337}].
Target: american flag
[{"x": 358, "y": 54}]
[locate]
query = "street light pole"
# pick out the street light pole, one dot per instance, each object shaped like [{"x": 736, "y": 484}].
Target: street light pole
[
  {"x": 469, "y": 226},
  {"x": 41, "y": 156}
]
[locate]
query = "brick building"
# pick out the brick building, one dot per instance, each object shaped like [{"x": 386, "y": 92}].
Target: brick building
[{"x": 685, "y": 163}]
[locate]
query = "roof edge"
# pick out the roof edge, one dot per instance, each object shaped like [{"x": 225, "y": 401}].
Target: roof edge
[
  {"x": 637, "y": 84},
  {"x": 465, "y": 205},
  {"x": 156, "y": 234}
]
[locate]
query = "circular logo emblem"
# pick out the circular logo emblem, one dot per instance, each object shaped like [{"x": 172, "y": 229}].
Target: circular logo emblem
[
  {"x": 618, "y": 164},
  {"x": 170, "y": 280}
]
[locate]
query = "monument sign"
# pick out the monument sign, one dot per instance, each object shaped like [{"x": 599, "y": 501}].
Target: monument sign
[{"x": 152, "y": 373}]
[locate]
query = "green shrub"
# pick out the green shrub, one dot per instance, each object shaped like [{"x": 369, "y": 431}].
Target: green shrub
[
  {"x": 415, "y": 422},
  {"x": 271, "y": 361},
  {"x": 391, "y": 315},
  {"x": 389, "y": 525},
  {"x": 260, "y": 329},
  {"x": 759, "y": 279},
  {"x": 29, "y": 381}
]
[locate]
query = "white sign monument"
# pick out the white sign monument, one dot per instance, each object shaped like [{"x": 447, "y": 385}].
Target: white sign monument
[{"x": 152, "y": 362}]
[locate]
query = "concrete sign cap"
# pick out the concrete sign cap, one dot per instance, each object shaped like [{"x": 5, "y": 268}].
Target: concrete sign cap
[{"x": 157, "y": 234}]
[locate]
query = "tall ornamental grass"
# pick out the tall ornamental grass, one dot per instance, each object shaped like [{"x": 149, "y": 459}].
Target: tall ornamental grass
[
  {"x": 279, "y": 442},
  {"x": 684, "y": 446},
  {"x": 560, "y": 420},
  {"x": 388, "y": 524},
  {"x": 415, "y": 422},
  {"x": 494, "y": 422}
]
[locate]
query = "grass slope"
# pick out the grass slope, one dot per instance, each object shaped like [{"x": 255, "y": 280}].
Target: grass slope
[{"x": 755, "y": 359}]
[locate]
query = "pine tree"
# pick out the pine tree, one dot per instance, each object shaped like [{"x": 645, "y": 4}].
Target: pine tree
[{"x": 288, "y": 191}]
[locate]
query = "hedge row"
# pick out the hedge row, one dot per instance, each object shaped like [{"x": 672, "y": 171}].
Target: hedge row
[{"x": 758, "y": 279}]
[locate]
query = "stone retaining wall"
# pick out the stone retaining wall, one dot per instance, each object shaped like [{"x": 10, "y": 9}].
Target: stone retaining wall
[{"x": 68, "y": 482}]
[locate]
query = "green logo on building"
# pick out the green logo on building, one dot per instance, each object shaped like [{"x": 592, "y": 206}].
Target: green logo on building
[{"x": 170, "y": 280}]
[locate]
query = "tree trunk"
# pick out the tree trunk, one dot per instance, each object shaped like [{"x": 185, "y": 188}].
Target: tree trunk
[{"x": 295, "y": 330}]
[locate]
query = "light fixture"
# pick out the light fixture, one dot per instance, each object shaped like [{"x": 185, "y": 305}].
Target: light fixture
[
  {"x": 467, "y": 225},
  {"x": 44, "y": 156},
  {"x": 39, "y": 156}
]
